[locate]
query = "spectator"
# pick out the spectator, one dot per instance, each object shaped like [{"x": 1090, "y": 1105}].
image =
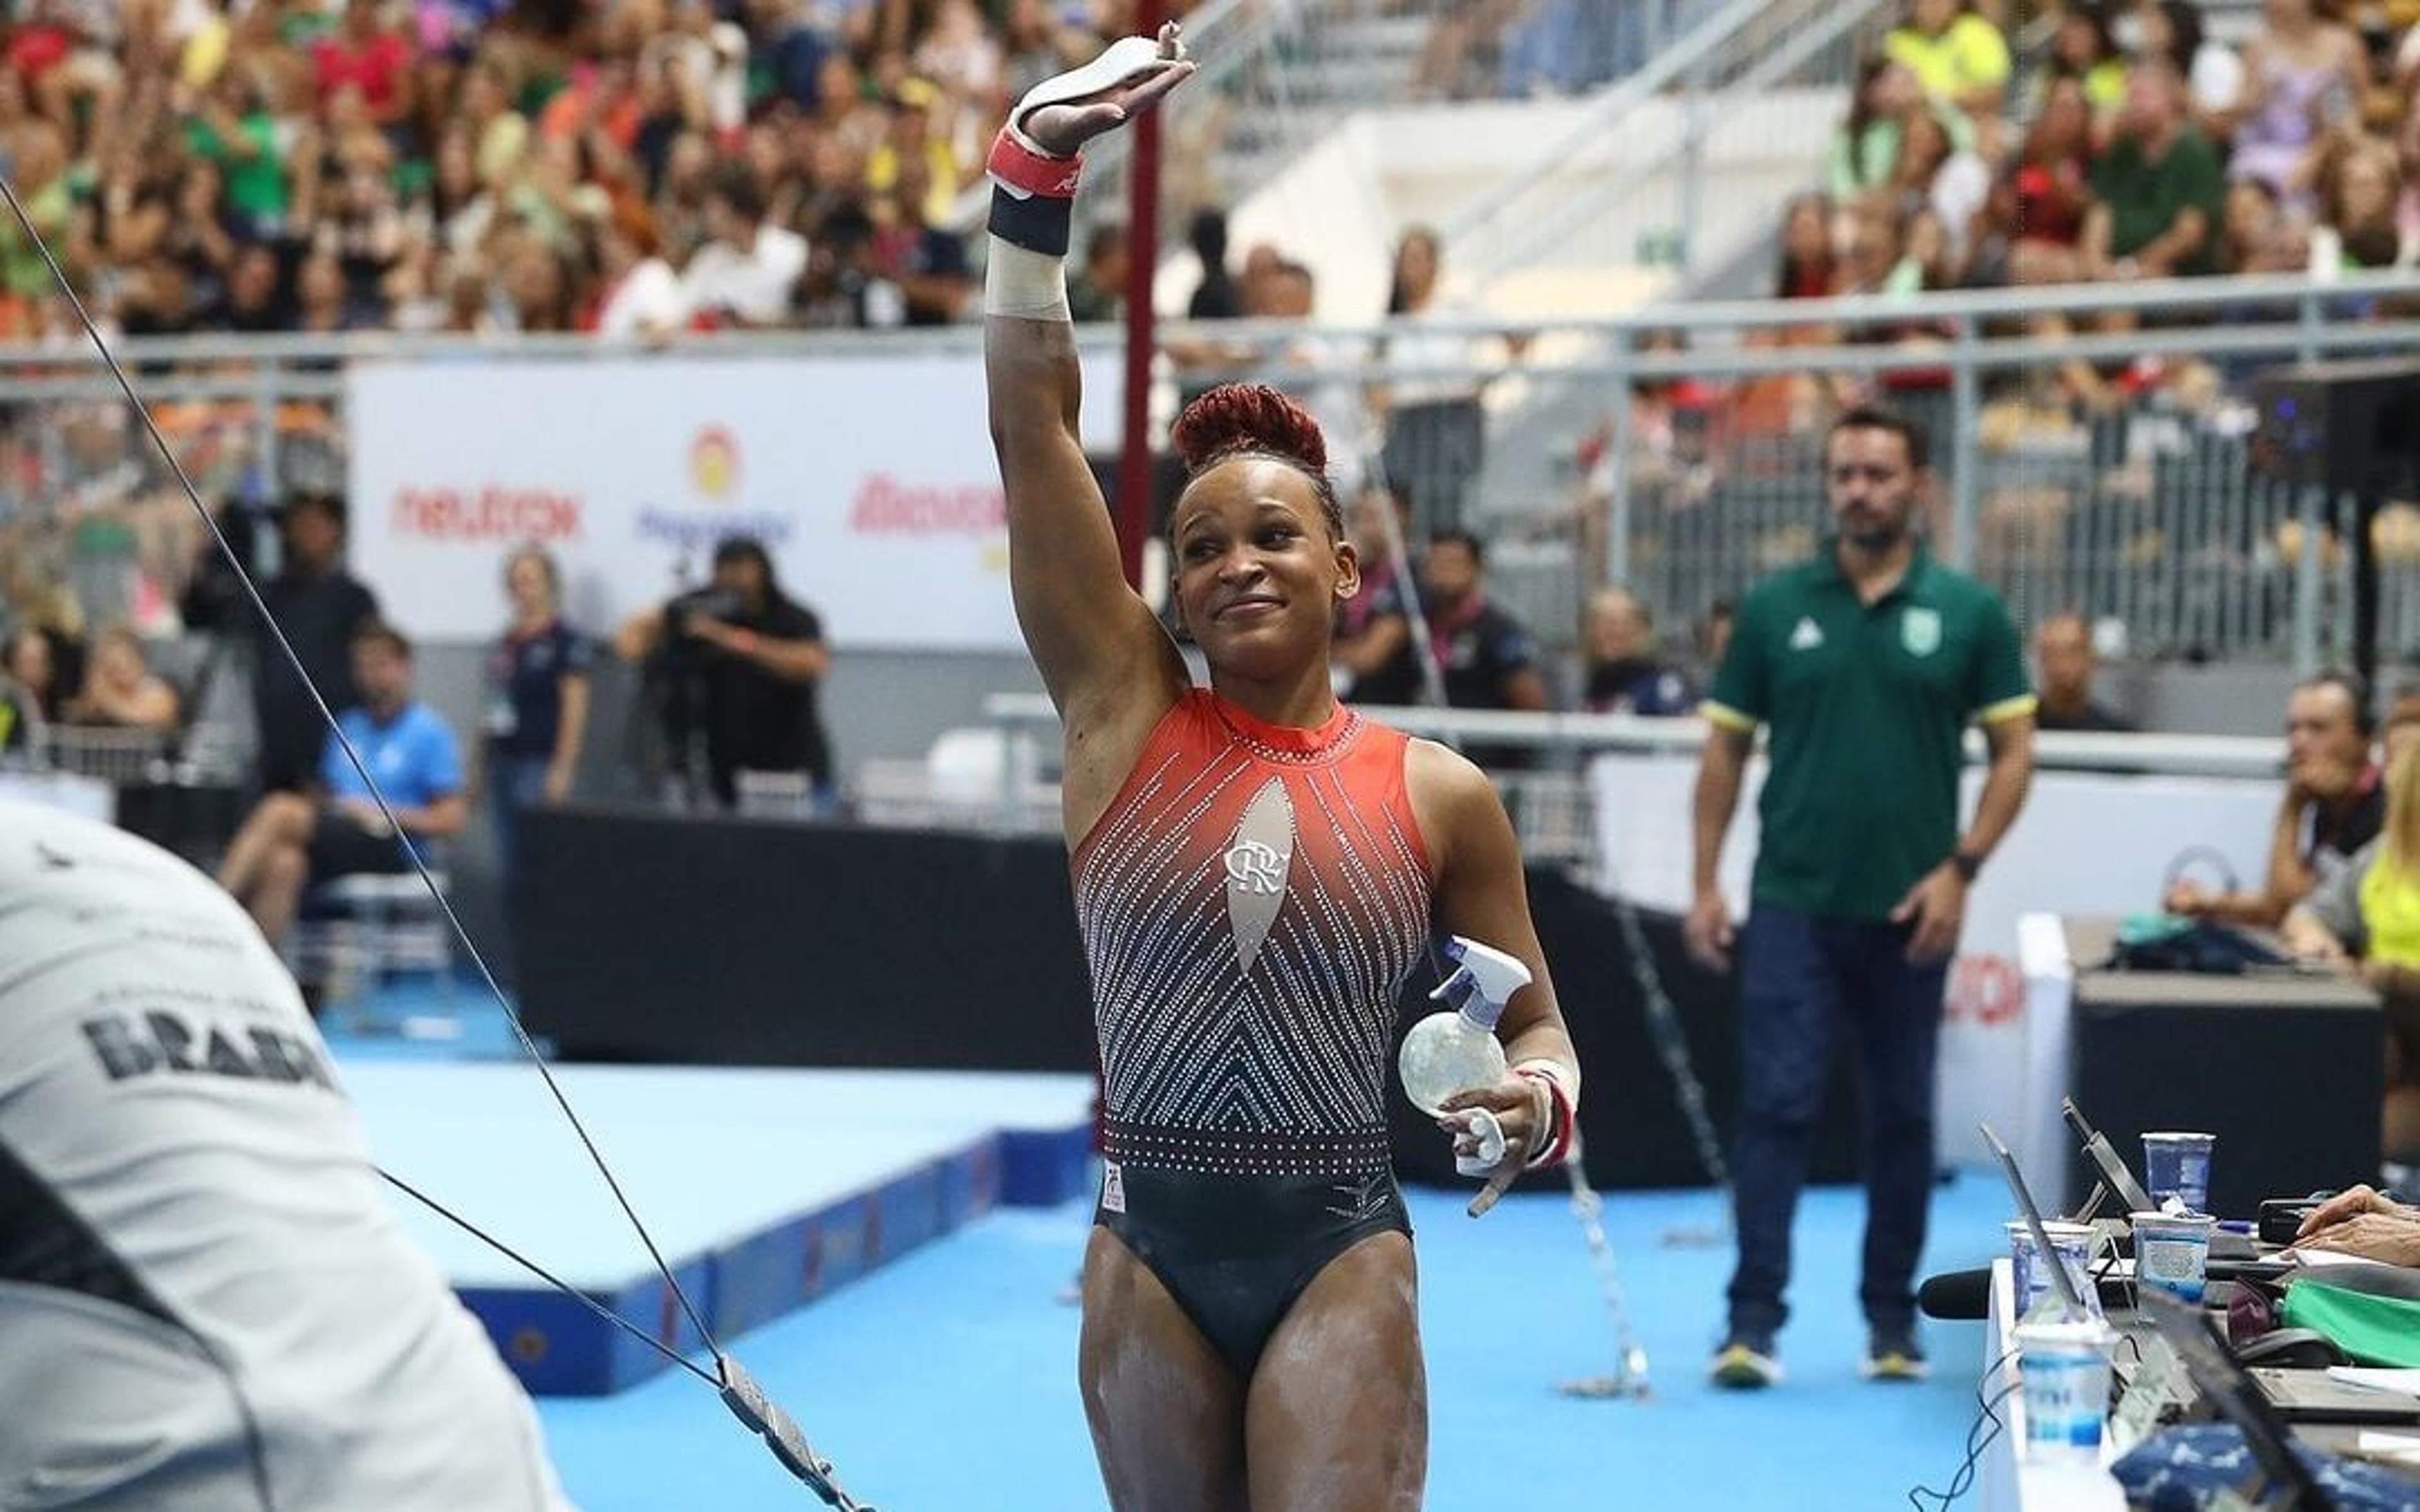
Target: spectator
[
  {"x": 1959, "y": 58},
  {"x": 2304, "y": 76},
  {"x": 1623, "y": 674},
  {"x": 1437, "y": 434},
  {"x": 2213, "y": 74},
  {"x": 121, "y": 691},
  {"x": 228, "y": 125},
  {"x": 847, "y": 286},
  {"x": 321, "y": 608},
  {"x": 2042, "y": 204},
  {"x": 1934, "y": 174},
  {"x": 1372, "y": 643},
  {"x": 2359, "y": 189},
  {"x": 2064, "y": 663},
  {"x": 255, "y": 303},
  {"x": 2257, "y": 238},
  {"x": 1097, "y": 290},
  {"x": 1807, "y": 268},
  {"x": 1216, "y": 298},
  {"x": 2334, "y": 804},
  {"x": 2367, "y": 917},
  {"x": 21, "y": 725},
  {"x": 366, "y": 55},
  {"x": 642, "y": 295},
  {"x": 292, "y": 840},
  {"x": 2083, "y": 48},
  {"x": 33, "y": 669},
  {"x": 538, "y": 700},
  {"x": 736, "y": 663},
  {"x": 929, "y": 265},
  {"x": 1486, "y": 654},
  {"x": 2158, "y": 189},
  {"x": 1866, "y": 151},
  {"x": 747, "y": 273}
]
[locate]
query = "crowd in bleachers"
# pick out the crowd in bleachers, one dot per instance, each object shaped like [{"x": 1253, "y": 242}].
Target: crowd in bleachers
[
  {"x": 502, "y": 165},
  {"x": 2130, "y": 144}
]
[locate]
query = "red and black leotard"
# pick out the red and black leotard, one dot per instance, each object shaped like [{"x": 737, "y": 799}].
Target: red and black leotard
[{"x": 1251, "y": 905}]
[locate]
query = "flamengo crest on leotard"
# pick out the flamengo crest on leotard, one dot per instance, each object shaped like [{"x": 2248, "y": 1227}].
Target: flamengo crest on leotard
[{"x": 1250, "y": 906}]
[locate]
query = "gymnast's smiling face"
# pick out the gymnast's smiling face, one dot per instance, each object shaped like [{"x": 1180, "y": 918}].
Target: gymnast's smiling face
[{"x": 1260, "y": 567}]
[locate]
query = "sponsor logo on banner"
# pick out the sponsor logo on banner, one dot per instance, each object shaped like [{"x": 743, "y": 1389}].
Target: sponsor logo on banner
[
  {"x": 884, "y": 506},
  {"x": 714, "y": 510},
  {"x": 492, "y": 513}
]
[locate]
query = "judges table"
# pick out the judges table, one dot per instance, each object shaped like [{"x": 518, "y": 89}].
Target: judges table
[{"x": 2283, "y": 1067}]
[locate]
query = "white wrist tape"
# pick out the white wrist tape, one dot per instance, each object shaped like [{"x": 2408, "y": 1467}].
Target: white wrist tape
[{"x": 1023, "y": 284}]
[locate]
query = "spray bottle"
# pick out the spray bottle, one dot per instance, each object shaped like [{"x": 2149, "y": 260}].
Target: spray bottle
[{"x": 1455, "y": 1049}]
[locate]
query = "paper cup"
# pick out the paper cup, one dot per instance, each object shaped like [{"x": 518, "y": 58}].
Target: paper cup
[
  {"x": 2173, "y": 1253},
  {"x": 2065, "y": 1371},
  {"x": 2075, "y": 1243},
  {"x": 2177, "y": 1164}
]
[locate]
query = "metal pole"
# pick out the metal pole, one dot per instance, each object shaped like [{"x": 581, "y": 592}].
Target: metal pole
[
  {"x": 264, "y": 416},
  {"x": 1693, "y": 152},
  {"x": 1967, "y": 407},
  {"x": 1616, "y": 505},
  {"x": 1142, "y": 262},
  {"x": 2307, "y": 577}
]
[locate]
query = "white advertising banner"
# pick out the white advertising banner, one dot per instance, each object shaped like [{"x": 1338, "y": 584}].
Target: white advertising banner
[
  {"x": 870, "y": 480},
  {"x": 2086, "y": 845}
]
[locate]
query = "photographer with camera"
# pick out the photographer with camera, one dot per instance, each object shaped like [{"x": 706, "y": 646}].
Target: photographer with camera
[{"x": 736, "y": 663}]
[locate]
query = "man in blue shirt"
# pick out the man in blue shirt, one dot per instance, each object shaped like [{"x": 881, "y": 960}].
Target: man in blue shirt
[{"x": 293, "y": 839}]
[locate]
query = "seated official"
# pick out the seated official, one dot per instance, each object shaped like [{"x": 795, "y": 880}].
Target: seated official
[
  {"x": 2334, "y": 802},
  {"x": 2361, "y": 1222},
  {"x": 2369, "y": 913},
  {"x": 293, "y": 839}
]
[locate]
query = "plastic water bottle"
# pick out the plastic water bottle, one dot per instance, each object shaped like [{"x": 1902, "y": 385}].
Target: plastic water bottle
[{"x": 1455, "y": 1050}]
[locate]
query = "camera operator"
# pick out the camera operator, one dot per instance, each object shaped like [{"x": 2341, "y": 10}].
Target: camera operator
[{"x": 736, "y": 661}]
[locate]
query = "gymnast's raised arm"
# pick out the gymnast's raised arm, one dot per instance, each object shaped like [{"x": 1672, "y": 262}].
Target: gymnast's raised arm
[{"x": 1110, "y": 668}]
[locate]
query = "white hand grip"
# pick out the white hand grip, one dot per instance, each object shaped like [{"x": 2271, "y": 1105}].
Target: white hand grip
[{"x": 1491, "y": 1144}]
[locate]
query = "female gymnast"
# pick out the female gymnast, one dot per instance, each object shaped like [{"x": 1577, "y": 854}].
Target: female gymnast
[{"x": 1257, "y": 870}]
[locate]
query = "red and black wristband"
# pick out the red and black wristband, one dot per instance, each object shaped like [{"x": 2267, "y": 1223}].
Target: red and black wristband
[{"x": 1033, "y": 195}]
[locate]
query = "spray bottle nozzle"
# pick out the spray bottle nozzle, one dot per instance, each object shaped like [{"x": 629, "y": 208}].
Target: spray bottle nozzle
[{"x": 1485, "y": 978}]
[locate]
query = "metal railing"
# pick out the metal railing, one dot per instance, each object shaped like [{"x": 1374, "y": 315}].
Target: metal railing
[{"x": 2109, "y": 474}]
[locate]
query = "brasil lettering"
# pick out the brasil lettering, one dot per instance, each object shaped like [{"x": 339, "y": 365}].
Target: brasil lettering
[{"x": 164, "y": 1043}]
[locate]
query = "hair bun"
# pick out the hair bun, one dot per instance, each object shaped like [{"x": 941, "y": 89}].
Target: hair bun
[{"x": 1248, "y": 417}]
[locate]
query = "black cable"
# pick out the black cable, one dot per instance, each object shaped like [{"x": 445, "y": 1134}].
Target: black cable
[
  {"x": 548, "y": 1277},
  {"x": 378, "y": 794},
  {"x": 737, "y": 1389},
  {"x": 1987, "y": 1410}
]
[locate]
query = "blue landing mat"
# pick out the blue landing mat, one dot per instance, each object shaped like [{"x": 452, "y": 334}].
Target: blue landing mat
[{"x": 763, "y": 1189}]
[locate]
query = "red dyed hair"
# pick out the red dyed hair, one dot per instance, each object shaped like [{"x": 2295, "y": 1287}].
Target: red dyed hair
[{"x": 1254, "y": 419}]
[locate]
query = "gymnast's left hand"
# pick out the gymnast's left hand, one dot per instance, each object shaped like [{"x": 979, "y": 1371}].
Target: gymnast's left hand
[{"x": 1524, "y": 1109}]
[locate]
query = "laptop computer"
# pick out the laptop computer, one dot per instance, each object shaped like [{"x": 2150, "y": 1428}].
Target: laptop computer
[
  {"x": 2065, "y": 1283},
  {"x": 2286, "y": 1483},
  {"x": 2236, "y": 1255}
]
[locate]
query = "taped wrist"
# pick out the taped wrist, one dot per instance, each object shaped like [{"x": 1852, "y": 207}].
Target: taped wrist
[
  {"x": 1563, "y": 1099},
  {"x": 1024, "y": 283}
]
